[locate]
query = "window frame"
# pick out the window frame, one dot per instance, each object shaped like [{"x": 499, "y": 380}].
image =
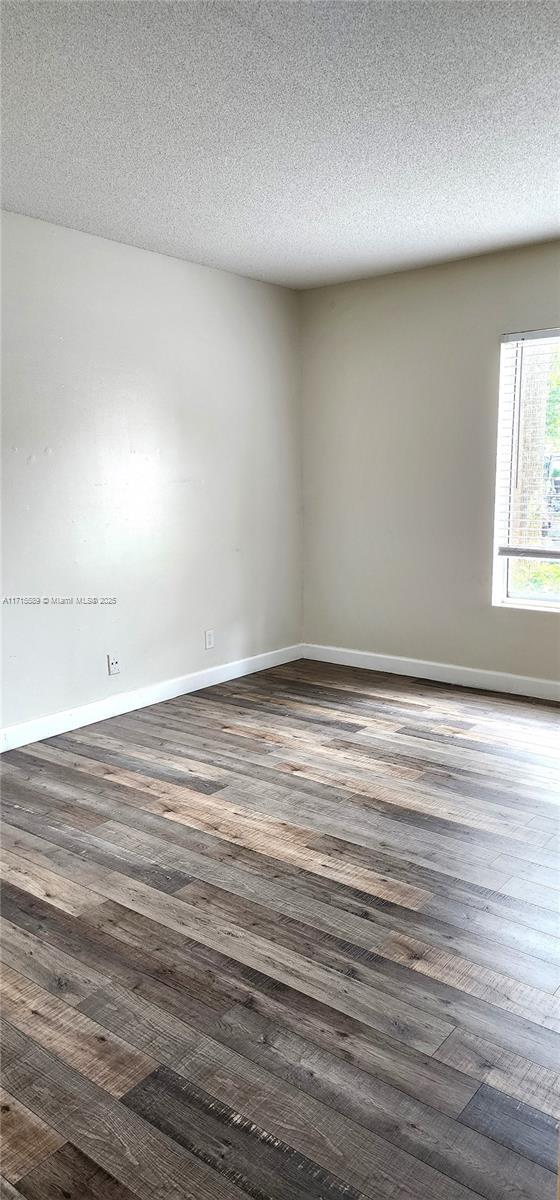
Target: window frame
[{"x": 502, "y": 554}]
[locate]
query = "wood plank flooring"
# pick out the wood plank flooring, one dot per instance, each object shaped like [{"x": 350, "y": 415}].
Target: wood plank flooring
[{"x": 296, "y": 936}]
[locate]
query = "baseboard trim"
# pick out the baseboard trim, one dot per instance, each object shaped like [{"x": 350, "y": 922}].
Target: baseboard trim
[
  {"x": 473, "y": 677},
  {"x": 47, "y": 726},
  {"x": 13, "y": 736}
]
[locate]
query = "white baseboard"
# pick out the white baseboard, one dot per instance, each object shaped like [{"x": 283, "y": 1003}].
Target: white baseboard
[
  {"x": 473, "y": 677},
  {"x": 113, "y": 706}
]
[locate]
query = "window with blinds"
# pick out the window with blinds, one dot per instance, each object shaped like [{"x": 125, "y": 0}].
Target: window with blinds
[{"x": 527, "y": 519}]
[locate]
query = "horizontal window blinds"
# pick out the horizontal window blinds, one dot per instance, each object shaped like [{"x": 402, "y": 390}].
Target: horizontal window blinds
[{"x": 528, "y": 468}]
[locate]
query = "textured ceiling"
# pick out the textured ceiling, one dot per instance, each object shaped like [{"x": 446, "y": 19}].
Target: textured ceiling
[{"x": 296, "y": 142}]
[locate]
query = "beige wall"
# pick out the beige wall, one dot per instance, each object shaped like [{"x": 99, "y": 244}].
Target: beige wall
[
  {"x": 152, "y": 452},
  {"x": 400, "y": 405}
]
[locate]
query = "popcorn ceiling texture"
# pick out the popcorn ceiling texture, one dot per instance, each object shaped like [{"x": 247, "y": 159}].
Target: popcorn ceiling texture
[{"x": 300, "y": 143}]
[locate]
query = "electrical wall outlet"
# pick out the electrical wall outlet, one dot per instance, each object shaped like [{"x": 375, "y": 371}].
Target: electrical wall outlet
[
  {"x": 209, "y": 639},
  {"x": 113, "y": 665}
]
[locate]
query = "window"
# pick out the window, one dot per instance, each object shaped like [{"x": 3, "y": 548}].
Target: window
[{"x": 527, "y": 520}]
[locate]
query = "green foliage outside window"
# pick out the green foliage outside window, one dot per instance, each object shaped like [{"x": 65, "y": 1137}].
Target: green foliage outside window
[{"x": 528, "y": 577}]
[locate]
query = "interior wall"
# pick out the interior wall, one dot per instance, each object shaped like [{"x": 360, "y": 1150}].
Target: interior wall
[
  {"x": 152, "y": 453},
  {"x": 400, "y": 394}
]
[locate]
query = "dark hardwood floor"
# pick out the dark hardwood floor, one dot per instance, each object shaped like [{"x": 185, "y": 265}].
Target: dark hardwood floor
[{"x": 293, "y": 936}]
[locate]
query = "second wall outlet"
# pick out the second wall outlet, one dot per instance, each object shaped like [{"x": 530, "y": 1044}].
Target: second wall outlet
[
  {"x": 113, "y": 665},
  {"x": 208, "y": 639}
]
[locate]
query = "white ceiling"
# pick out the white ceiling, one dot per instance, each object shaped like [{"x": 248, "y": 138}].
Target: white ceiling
[{"x": 301, "y": 143}]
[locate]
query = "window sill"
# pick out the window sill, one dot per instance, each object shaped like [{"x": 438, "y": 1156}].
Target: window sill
[{"x": 550, "y": 606}]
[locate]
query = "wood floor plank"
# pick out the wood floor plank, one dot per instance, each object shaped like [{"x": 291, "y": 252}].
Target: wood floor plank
[
  {"x": 56, "y": 972},
  {"x": 24, "y": 1138},
  {"x": 170, "y": 1039},
  {"x": 93, "y": 848},
  {"x": 125, "y": 1146},
  {"x": 45, "y": 884},
  {"x": 293, "y": 936},
  {"x": 531, "y": 1133},
  {"x": 7, "y": 1191},
  {"x": 105, "y": 1058},
  {"x": 292, "y": 844},
  {"x": 16, "y": 794},
  {"x": 151, "y": 1028},
  {"x": 535, "y": 1085},
  {"x": 446, "y": 843},
  {"x": 70, "y": 1175},
  {"x": 330, "y": 1138},
  {"x": 537, "y": 893},
  {"x": 131, "y": 965},
  {"x": 497, "y": 918},
  {"x": 219, "y": 1135},
  {"x": 418, "y": 1075},
  {"x": 388, "y": 976},
  {"x": 287, "y": 966},
  {"x": 487, "y": 984},
  {"x": 518, "y": 869},
  {"x": 52, "y": 778},
  {"x": 352, "y": 926},
  {"x": 430, "y": 1136},
  {"x": 145, "y": 815},
  {"x": 145, "y": 1025},
  {"x": 546, "y": 976}
]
